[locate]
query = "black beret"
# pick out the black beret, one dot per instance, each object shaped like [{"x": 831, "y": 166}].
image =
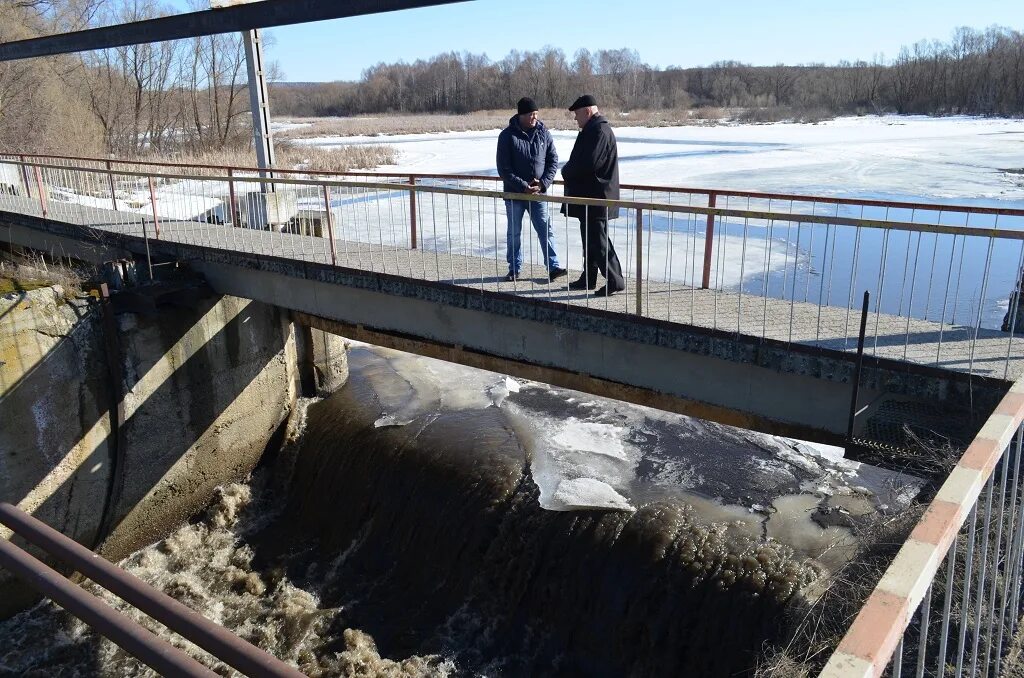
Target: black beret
[
  {"x": 526, "y": 105},
  {"x": 583, "y": 102}
]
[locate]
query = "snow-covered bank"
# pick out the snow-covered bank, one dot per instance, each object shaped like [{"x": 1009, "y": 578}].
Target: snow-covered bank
[{"x": 953, "y": 158}]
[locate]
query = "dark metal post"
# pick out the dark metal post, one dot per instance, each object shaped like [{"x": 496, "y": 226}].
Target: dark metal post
[
  {"x": 412, "y": 214},
  {"x": 329, "y": 218},
  {"x": 152, "y": 202},
  {"x": 709, "y": 239},
  {"x": 639, "y": 260},
  {"x": 858, "y": 368},
  {"x": 235, "y": 217},
  {"x": 39, "y": 189},
  {"x": 136, "y": 640},
  {"x": 24, "y": 177},
  {"x": 110, "y": 180}
]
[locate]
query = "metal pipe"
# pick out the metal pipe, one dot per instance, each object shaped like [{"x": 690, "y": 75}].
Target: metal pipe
[
  {"x": 24, "y": 177},
  {"x": 330, "y": 224},
  {"x": 898, "y": 204},
  {"x": 213, "y": 638},
  {"x": 39, "y": 189},
  {"x": 152, "y": 202},
  {"x": 858, "y": 368},
  {"x": 235, "y": 217},
  {"x": 141, "y": 643},
  {"x": 113, "y": 193}
]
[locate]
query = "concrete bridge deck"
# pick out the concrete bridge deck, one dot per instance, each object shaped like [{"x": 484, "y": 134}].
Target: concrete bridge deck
[
  {"x": 786, "y": 366},
  {"x": 952, "y": 347}
]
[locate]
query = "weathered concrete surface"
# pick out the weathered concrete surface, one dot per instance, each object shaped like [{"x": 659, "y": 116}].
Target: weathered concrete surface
[
  {"x": 205, "y": 387},
  {"x": 746, "y": 354},
  {"x": 55, "y": 453}
]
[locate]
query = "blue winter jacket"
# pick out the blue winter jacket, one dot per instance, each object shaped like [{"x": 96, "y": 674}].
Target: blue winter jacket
[{"x": 524, "y": 155}]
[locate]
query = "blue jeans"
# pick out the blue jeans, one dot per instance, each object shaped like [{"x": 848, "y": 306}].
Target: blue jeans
[{"x": 514, "y": 210}]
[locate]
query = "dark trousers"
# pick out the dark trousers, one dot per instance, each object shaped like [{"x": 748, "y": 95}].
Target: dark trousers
[{"x": 599, "y": 253}]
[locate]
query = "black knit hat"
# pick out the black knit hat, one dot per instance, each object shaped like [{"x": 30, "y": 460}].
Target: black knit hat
[
  {"x": 526, "y": 105},
  {"x": 583, "y": 102}
]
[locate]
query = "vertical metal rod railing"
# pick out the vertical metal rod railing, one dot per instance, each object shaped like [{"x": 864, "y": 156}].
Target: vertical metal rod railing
[{"x": 730, "y": 268}]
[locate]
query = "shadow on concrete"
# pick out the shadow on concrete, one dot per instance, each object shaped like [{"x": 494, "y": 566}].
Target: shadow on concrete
[{"x": 218, "y": 370}]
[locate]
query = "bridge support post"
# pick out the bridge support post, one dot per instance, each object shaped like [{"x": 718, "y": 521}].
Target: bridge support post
[
  {"x": 306, "y": 362},
  {"x": 259, "y": 105}
]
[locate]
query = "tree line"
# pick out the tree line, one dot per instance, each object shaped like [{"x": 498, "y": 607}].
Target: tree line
[
  {"x": 168, "y": 97},
  {"x": 976, "y": 72},
  {"x": 189, "y": 96}
]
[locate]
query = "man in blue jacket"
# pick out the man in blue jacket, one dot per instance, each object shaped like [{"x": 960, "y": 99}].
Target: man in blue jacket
[{"x": 527, "y": 163}]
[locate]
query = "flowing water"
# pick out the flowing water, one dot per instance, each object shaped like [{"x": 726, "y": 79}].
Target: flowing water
[{"x": 432, "y": 520}]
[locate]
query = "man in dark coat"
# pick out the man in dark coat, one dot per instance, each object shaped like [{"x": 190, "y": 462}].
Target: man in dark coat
[
  {"x": 527, "y": 163},
  {"x": 593, "y": 172}
]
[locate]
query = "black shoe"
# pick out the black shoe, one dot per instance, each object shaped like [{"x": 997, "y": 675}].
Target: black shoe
[
  {"x": 557, "y": 273},
  {"x": 581, "y": 284},
  {"x": 607, "y": 291},
  {"x": 510, "y": 277}
]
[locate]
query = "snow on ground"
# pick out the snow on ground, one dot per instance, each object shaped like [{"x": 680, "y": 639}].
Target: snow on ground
[
  {"x": 900, "y": 156},
  {"x": 951, "y": 160},
  {"x": 956, "y": 159}
]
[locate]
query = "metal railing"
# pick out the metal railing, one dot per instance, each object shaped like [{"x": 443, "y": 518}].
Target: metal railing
[
  {"x": 950, "y": 602},
  {"x": 135, "y": 639},
  {"x": 943, "y": 278},
  {"x": 784, "y": 267}
]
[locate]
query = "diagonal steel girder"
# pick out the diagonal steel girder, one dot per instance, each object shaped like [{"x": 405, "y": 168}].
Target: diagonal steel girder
[{"x": 266, "y": 14}]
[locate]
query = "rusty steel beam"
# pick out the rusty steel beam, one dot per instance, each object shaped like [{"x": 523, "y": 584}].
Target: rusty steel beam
[
  {"x": 233, "y": 19},
  {"x": 213, "y": 638},
  {"x": 141, "y": 643}
]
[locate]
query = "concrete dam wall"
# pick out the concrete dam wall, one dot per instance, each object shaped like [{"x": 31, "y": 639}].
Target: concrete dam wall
[{"x": 119, "y": 425}]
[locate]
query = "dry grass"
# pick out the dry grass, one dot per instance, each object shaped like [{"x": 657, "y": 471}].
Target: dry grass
[
  {"x": 338, "y": 159},
  {"x": 288, "y": 156},
  {"x": 554, "y": 118},
  {"x": 815, "y": 629},
  {"x": 25, "y": 272}
]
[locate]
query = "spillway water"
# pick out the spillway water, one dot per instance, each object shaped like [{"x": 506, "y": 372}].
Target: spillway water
[{"x": 459, "y": 522}]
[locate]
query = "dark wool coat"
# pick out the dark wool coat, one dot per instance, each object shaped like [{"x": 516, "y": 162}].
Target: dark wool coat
[
  {"x": 593, "y": 170},
  {"x": 524, "y": 155}
]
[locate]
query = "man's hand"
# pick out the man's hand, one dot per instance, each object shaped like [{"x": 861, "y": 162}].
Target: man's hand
[{"x": 534, "y": 188}]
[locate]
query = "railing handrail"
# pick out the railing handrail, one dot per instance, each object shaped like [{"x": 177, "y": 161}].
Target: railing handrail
[
  {"x": 1003, "y": 234},
  {"x": 759, "y": 195},
  {"x": 208, "y": 635},
  {"x": 872, "y": 639}
]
